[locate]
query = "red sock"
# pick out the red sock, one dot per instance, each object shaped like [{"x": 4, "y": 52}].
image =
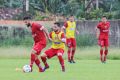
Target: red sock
[
  {"x": 101, "y": 54},
  {"x": 105, "y": 53},
  {"x": 32, "y": 59},
  {"x": 61, "y": 60},
  {"x": 73, "y": 53},
  {"x": 68, "y": 55},
  {"x": 44, "y": 61},
  {"x": 37, "y": 61}
]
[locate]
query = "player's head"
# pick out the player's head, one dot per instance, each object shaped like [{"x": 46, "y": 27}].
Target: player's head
[
  {"x": 56, "y": 27},
  {"x": 71, "y": 18},
  {"x": 104, "y": 19},
  {"x": 27, "y": 21}
]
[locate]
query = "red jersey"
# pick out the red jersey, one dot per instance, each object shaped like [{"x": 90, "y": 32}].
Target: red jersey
[
  {"x": 37, "y": 34},
  {"x": 104, "y": 30}
]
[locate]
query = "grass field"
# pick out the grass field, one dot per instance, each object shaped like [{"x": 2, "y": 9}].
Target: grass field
[
  {"x": 88, "y": 66},
  {"x": 81, "y": 53},
  {"x": 82, "y": 70}
]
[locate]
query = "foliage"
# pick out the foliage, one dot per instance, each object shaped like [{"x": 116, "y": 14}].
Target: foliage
[{"x": 80, "y": 8}]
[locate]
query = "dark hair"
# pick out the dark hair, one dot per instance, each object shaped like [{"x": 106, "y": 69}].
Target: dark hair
[
  {"x": 71, "y": 15},
  {"x": 27, "y": 18},
  {"x": 104, "y": 16},
  {"x": 58, "y": 24}
]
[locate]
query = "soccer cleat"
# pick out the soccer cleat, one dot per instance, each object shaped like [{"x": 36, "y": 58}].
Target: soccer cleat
[
  {"x": 104, "y": 62},
  {"x": 31, "y": 68},
  {"x": 73, "y": 61},
  {"x": 63, "y": 69},
  {"x": 41, "y": 70},
  {"x": 46, "y": 67},
  {"x": 70, "y": 61}
]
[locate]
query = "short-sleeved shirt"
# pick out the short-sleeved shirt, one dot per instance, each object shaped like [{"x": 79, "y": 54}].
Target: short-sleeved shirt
[
  {"x": 70, "y": 29},
  {"x": 37, "y": 34},
  {"x": 57, "y": 43},
  {"x": 104, "y": 30}
]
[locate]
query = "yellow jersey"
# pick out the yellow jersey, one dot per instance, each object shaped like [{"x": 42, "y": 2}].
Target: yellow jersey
[
  {"x": 70, "y": 29},
  {"x": 57, "y": 43}
]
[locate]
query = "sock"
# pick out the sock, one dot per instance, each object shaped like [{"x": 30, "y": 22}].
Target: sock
[
  {"x": 37, "y": 61},
  {"x": 32, "y": 59},
  {"x": 61, "y": 60},
  {"x": 68, "y": 55},
  {"x": 44, "y": 61},
  {"x": 73, "y": 53},
  {"x": 101, "y": 54},
  {"x": 105, "y": 54}
]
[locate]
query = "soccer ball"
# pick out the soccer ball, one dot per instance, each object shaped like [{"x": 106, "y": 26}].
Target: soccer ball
[{"x": 26, "y": 68}]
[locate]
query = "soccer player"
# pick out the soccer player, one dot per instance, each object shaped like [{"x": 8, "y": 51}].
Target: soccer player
[
  {"x": 39, "y": 34},
  {"x": 102, "y": 33},
  {"x": 70, "y": 27},
  {"x": 57, "y": 48}
]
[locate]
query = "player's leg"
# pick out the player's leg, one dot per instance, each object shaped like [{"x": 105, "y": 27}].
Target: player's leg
[
  {"x": 37, "y": 61},
  {"x": 69, "y": 54},
  {"x": 73, "y": 50},
  {"x": 101, "y": 54},
  {"x": 47, "y": 54},
  {"x": 69, "y": 50},
  {"x": 38, "y": 48},
  {"x": 106, "y": 49},
  {"x": 44, "y": 60},
  {"x": 33, "y": 58},
  {"x": 101, "y": 43},
  {"x": 61, "y": 60},
  {"x": 105, "y": 53}
]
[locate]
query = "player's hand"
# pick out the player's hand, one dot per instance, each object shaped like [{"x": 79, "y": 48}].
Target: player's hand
[
  {"x": 50, "y": 39},
  {"x": 63, "y": 40},
  {"x": 42, "y": 28}
]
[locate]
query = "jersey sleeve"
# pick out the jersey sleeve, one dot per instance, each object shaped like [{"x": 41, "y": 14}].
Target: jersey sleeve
[
  {"x": 98, "y": 25},
  {"x": 50, "y": 34},
  {"x": 108, "y": 24},
  {"x": 66, "y": 24},
  {"x": 62, "y": 35}
]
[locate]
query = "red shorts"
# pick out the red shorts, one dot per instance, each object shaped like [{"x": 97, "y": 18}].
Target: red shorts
[
  {"x": 71, "y": 42},
  {"x": 53, "y": 52},
  {"x": 103, "y": 42},
  {"x": 38, "y": 47}
]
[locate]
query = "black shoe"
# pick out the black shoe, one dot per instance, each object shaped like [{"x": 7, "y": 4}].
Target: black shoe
[
  {"x": 73, "y": 61},
  {"x": 104, "y": 62},
  {"x": 46, "y": 67},
  {"x": 70, "y": 61}
]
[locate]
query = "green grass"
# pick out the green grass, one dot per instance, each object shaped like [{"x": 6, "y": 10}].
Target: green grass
[
  {"x": 86, "y": 53},
  {"x": 88, "y": 66},
  {"x": 82, "y": 70}
]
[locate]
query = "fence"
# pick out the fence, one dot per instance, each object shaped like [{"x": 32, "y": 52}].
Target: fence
[{"x": 16, "y": 31}]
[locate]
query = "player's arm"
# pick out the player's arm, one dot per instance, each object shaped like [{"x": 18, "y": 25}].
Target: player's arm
[
  {"x": 45, "y": 31},
  {"x": 62, "y": 38},
  {"x": 97, "y": 31},
  {"x": 76, "y": 29},
  {"x": 50, "y": 36},
  {"x": 64, "y": 26}
]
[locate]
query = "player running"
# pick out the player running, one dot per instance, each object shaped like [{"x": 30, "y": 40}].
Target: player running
[
  {"x": 57, "y": 48},
  {"x": 39, "y": 34},
  {"x": 102, "y": 33},
  {"x": 70, "y": 27}
]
